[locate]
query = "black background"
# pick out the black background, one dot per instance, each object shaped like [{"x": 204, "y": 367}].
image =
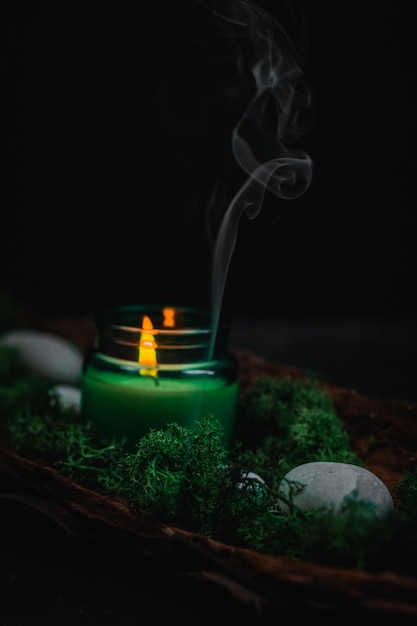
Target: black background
[{"x": 105, "y": 181}]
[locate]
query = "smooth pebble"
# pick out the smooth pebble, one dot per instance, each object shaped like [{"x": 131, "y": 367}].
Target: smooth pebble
[
  {"x": 325, "y": 484},
  {"x": 67, "y": 396},
  {"x": 51, "y": 357},
  {"x": 253, "y": 483}
]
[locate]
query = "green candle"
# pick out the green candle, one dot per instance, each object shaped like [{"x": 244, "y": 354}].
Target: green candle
[
  {"x": 151, "y": 369},
  {"x": 128, "y": 404}
]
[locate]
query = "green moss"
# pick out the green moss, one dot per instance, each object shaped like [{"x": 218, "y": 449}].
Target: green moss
[
  {"x": 178, "y": 474},
  {"x": 188, "y": 478},
  {"x": 285, "y": 423}
]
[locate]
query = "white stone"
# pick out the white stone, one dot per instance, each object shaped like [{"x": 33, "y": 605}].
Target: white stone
[
  {"x": 51, "y": 357},
  {"x": 326, "y": 484},
  {"x": 254, "y": 484},
  {"x": 67, "y": 396}
]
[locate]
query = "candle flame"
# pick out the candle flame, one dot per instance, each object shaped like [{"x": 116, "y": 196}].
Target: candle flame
[
  {"x": 169, "y": 314},
  {"x": 147, "y": 349}
]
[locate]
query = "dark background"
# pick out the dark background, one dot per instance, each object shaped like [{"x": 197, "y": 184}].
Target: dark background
[{"x": 116, "y": 128}]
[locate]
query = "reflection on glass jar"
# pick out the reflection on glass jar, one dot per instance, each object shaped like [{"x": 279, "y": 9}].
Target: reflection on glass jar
[{"x": 156, "y": 365}]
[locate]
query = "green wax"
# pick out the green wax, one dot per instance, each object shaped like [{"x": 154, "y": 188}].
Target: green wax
[{"x": 129, "y": 405}]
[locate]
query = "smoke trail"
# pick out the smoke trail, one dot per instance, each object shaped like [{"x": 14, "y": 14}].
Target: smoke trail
[{"x": 262, "y": 138}]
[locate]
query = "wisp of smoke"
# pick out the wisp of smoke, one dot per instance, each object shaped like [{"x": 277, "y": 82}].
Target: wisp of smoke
[{"x": 263, "y": 138}]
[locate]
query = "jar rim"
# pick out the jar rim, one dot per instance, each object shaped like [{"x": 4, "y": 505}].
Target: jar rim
[{"x": 191, "y": 320}]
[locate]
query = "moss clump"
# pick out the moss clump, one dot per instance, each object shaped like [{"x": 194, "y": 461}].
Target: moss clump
[
  {"x": 37, "y": 426},
  {"x": 284, "y": 423},
  {"x": 179, "y": 474}
]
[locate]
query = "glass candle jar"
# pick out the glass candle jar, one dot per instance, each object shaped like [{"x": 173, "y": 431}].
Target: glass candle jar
[{"x": 155, "y": 365}]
